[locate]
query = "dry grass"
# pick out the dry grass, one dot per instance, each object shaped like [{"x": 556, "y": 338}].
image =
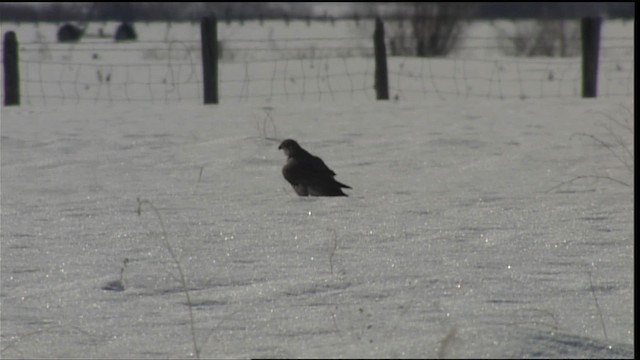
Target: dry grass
[
  {"x": 181, "y": 277},
  {"x": 615, "y": 141}
]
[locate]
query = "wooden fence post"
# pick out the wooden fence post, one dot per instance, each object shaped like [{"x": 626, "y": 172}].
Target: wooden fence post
[
  {"x": 381, "y": 80},
  {"x": 11, "y": 73},
  {"x": 209, "y": 39},
  {"x": 590, "y": 52}
]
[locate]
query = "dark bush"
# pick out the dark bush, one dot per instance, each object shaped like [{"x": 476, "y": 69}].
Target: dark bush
[
  {"x": 69, "y": 33},
  {"x": 433, "y": 28},
  {"x": 126, "y": 32}
]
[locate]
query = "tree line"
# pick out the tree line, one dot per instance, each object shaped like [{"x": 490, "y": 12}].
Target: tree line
[{"x": 193, "y": 11}]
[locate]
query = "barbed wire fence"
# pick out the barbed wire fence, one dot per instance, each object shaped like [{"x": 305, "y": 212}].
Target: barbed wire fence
[
  {"x": 303, "y": 69},
  {"x": 504, "y": 78},
  {"x": 310, "y": 68},
  {"x": 108, "y": 72}
]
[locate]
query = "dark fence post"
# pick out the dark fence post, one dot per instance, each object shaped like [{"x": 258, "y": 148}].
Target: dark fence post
[
  {"x": 590, "y": 53},
  {"x": 209, "y": 38},
  {"x": 381, "y": 81},
  {"x": 11, "y": 73}
]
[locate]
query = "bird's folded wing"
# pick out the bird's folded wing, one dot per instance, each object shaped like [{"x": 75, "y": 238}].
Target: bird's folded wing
[{"x": 319, "y": 167}]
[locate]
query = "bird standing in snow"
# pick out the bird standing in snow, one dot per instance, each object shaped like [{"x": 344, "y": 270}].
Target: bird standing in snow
[{"x": 308, "y": 174}]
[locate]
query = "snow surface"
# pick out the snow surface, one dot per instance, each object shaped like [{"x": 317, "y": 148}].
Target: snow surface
[{"x": 459, "y": 238}]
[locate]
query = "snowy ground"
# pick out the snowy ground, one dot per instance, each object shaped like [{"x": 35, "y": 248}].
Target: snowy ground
[
  {"x": 449, "y": 230},
  {"x": 459, "y": 238}
]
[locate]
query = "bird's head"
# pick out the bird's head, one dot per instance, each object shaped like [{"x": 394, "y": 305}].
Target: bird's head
[{"x": 290, "y": 147}]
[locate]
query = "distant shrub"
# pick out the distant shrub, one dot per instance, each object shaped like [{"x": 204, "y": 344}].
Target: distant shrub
[
  {"x": 125, "y": 32},
  {"x": 70, "y": 33},
  {"x": 434, "y": 28},
  {"x": 550, "y": 38}
]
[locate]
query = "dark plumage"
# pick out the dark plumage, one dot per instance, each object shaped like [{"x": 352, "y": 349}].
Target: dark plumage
[{"x": 308, "y": 174}]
